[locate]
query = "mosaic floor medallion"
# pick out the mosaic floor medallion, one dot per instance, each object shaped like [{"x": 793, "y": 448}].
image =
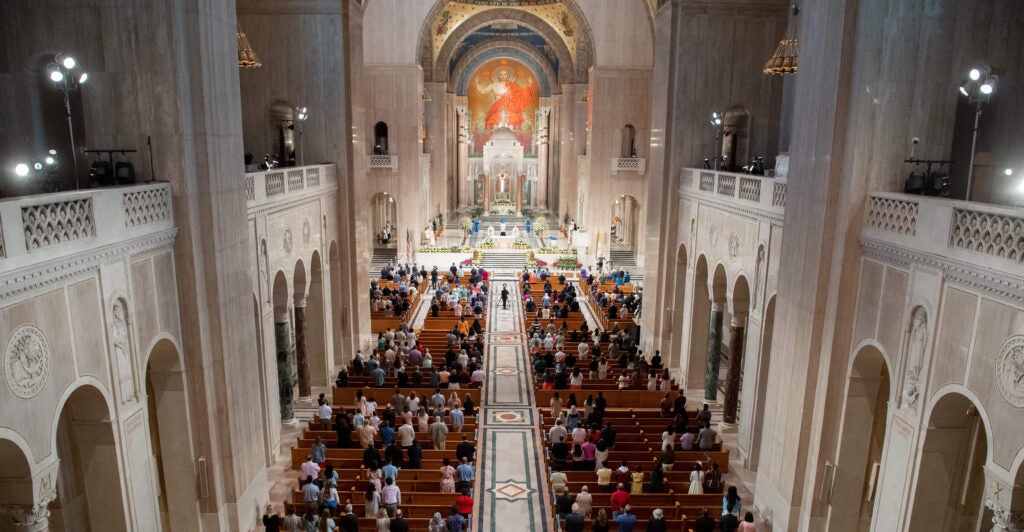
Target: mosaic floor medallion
[
  {"x": 506, "y": 371},
  {"x": 511, "y": 490}
]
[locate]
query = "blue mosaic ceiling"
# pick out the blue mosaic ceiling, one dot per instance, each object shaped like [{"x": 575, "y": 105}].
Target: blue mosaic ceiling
[{"x": 506, "y": 30}]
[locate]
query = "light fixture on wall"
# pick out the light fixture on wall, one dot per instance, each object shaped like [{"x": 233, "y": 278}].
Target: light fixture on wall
[
  {"x": 978, "y": 86},
  {"x": 247, "y": 58},
  {"x": 62, "y": 72},
  {"x": 787, "y": 53},
  {"x": 717, "y": 121}
]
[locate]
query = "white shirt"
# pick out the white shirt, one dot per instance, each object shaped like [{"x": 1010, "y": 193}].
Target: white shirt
[{"x": 325, "y": 412}]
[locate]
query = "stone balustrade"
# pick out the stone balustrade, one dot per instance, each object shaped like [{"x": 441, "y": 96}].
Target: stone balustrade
[
  {"x": 44, "y": 235},
  {"x": 966, "y": 234},
  {"x": 764, "y": 193},
  {"x": 384, "y": 161},
  {"x": 287, "y": 184}
]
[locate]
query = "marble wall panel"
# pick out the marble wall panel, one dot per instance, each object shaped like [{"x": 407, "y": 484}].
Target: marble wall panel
[
  {"x": 892, "y": 308},
  {"x": 996, "y": 323},
  {"x": 88, "y": 323},
  {"x": 868, "y": 301},
  {"x": 955, "y": 331},
  {"x": 166, "y": 285},
  {"x": 144, "y": 304},
  {"x": 622, "y": 32}
]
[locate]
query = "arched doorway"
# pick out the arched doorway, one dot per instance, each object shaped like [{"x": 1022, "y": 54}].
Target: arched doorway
[
  {"x": 674, "y": 354},
  {"x": 864, "y": 422},
  {"x": 385, "y": 214},
  {"x": 714, "y": 378},
  {"x": 760, "y": 384},
  {"x": 732, "y": 360},
  {"x": 16, "y": 479},
  {"x": 89, "y": 493},
  {"x": 167, "y": 401},
  {"x": 696, "y": 356},
  {"x": 337, "y": 321},
  {"x": 283, "y": 344},
  {"x": 316, "y": 339},
  {"x": 950, "y": 489},
  {"x": 625, "y": 222}
]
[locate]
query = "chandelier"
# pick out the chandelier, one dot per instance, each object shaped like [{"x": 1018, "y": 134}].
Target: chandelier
[
  {"x": 784, "y": 60},
  {"x": 247, "y": 58}
]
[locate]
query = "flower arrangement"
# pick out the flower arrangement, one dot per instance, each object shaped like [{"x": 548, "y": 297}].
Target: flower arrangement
[
  {"x": 503, "y": 203},
  {"x": 466, "y": 223},
  {"x": 560, "y": 251},
  {"x": 487, "y": 243},
  {"x": 540, "y": 225},
  {"x": 478, "y": 257},
  {"x": 521, "y": 243},
  {"x": 567, "y": 262},
  {"x": 444, "y": 249},
  {"x": 466, "y": 262}
]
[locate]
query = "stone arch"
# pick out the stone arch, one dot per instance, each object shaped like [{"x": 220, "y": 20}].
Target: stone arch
[
  {"x": 678, "y": 305},
  {"x": 499, "y": 47},
  {"x": 89, "y": 483},
  {"x": 570, "y": 71},
  {"x": 624, "y": 229},
  {"x": 16, "y": 472},
  {"x": 861, "y": 438},
  {"x": 955, "y": 443},
  {"x": 170, "y": 432},
  {"x": 700, "y": 314}
]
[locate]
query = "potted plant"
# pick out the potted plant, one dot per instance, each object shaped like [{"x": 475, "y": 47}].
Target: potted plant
[{"x": 465, "y": 224}]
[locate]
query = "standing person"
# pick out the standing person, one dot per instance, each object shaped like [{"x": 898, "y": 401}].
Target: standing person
[
  {"x": 311, "y": 495},
  {"x": 447, "y": 477},
  {"x": 584, "y": 501},
  {"x": 657, "y": 479},
  {"x": 437, "y": 523},
  {"x": 657, "y": 522},
  {"x": 391, "y": 496},
  {"x": 604, "y": 478},
  {"x": 504, "y": 296},
  {"x": 271, "y": 521},
  {"x": 399, "y": 524},
  {"x": 458, "y": 418},
  {"x": 637, "y": 485},
  {"x": 704, "y": 523},
  {"x": 731, "y": 503},
  {"x": 465, "y": 503},
  {"x": 383, "y": 521},
  {"x": 438, "y": 433},
  {"x": 713, "y": 479},
  {"x": 574, "y": 521},
  {"x": 371, "y": 500},
  {"x": 625, "y": 520},
  {"x": 348, "y": 522},
  {"x": 292, "y": 522},
  {"x": 455, "y": 521},
  {"x": 601, "y": 523},
  {"x": 706, "y": 438},
  {"x": 619, "y": 500},
  {"x": 465, "y": 475},
  {"x": 325, "y": 414},
  {"x": 696, "y": 480},
  {"x": 415, "y": 453},
  {"x": 747, "y": 525}
]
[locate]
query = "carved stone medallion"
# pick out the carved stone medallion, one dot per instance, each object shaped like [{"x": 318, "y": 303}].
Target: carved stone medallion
[
  {"x": 734, "y": 245},
  {"x": 306, "y": 231},
  {"x": 287, "y": 240},
  {"x": 1010, "y": 371},
  {"x": 27, "y": 361}
]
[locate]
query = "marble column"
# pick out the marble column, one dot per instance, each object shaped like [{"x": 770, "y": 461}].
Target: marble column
[
  {"x": 26, "y": 518},
  {"x": 285, "y": 383},
  {"x": 301, "y": 355},
  {"x": 737, "y": 328},
  {"x": 714, "y": 353}
]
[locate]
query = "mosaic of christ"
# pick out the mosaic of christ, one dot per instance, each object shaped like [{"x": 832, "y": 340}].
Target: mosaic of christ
[{"x": 503, "y": 93}]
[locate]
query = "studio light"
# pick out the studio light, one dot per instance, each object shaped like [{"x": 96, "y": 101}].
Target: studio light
[
  {"x": 38, "y": 166},
  {"x": 83, "y": 77},
  {"x": 978, "y": 86},
  {"x": 60, "y": 73},
  {"x": 21, "y": 169},
  {"x": 68, "y": 62},
  {"x": 963, "y": 90},
  {"x": 49, "y": 159},
  {"x": 1008, "y": 171},
  {"x": 974, "y": 74},
  {"x": 986, "y": 88},
  {"x": 301, "y": 115},
  {"x": 56, "y": 76}
]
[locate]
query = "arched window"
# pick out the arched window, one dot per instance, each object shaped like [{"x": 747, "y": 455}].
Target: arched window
[
  {"x": 628, "y": 141},
  {"x": 380, "y": 138}
]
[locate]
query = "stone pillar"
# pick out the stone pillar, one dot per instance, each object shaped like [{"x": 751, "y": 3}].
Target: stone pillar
[
  {"x": 540, "y": 193},
  {"x": 462, "y": 158},
  {"x": 301, "y": 356},
  {"x": 737, "y": 328},
  {"x": 714, "y": 353},
  {"x": 285, "y": 383},
  {"x": 34, "y": 518}
]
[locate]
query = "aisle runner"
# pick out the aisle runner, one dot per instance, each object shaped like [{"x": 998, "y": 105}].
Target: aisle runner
[{"x": 509, "y": 475}]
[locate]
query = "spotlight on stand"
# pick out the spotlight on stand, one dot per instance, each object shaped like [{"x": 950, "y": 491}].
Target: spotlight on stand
[
  {"x": 60, "y": 73},
  {"x": 978, "y": 87},
  {"x": 716, "y": 122},
  {"x": 21, "y": 169},
  {"x": 301, "y": 115}
]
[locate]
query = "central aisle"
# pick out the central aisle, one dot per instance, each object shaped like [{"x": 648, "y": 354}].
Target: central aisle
[{"x": 510, "y": 476}]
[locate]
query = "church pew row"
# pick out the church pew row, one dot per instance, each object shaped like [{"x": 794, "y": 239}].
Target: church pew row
[
  {"x": 615, "y": 398},
  {"x": 346, "y": 397}
]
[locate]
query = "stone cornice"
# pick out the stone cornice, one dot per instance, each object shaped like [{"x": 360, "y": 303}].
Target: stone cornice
[
  {"x": 732, "y": 207},
  {"x": 20, "y": 284},
  {"x": 284, "y": 204},
  {"x": 1007, "y": 288}
]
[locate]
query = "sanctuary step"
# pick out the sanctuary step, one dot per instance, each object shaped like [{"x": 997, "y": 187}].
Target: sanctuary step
[
  {"x": 503, "y": 260},
  {"x": 382, "y": 257},
  {"x": 622, "y": 258}
]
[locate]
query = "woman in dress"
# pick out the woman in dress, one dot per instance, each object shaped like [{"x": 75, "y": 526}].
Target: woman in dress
[
  {"x": 326, "y": 523},
  {"x": 697, "y": 480},
  {"x": 447, "y": 477},
  {"x": 731, "y": 503},
  {"x": 657, "y": 480},
  {"x": 636, "y": 485},
  {"x": 668, "y": 438},
  {"x": 383, "y": 523},
  {"x": 271, "y": 521},
  {"x": 602, "y": 454},
  {"x": 423, "y": 420},
  {"x": 372, "y": 498},
  {"x": 375, "y": 476},
  {"x": 666, "y": 380}
]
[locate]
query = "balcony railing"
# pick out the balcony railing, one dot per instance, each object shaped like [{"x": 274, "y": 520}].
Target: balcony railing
[
  {"x": 743, "y": 189},
  {"x": 384, "y": 161},
  {"x": 37, "y": 229},
  {"x": 979, "y": 234},
  {"x": 629, "y": 164},
  {"x": 288, "y": 183}
]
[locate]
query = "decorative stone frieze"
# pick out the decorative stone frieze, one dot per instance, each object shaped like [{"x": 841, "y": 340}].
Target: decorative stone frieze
[
  {"x": 990, "y": 233},
  {"x": 50, "y": 224},
  {"x": 1010, "y": 370},
  {"x": 146, "y": 206},
  {"x": 893, "y": 215}
]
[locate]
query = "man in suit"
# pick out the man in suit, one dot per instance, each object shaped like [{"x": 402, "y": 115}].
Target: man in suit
[
  {"x": 348, "y": 522},
  {"x": 574, "y": 522},
  {"x": 399, "y": 524}
]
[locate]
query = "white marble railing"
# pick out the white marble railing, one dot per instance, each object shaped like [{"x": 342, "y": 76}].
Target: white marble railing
[
  {"x": 45, "y": 227},
  {"x": 384, "y": 161},
  {"x": 629, "y": 164},
  {"x": 978, "y": 234},
  {"x": 286, "y": 184},
  {"x": 765, "y": 193}
]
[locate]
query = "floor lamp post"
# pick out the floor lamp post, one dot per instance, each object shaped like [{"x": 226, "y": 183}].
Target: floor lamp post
[
  {"x": 301, "y": 114},
  {"x": 978, "y": 87},
  {"x": 716, "y": 122},
  {"x": 61, "y": 73}
]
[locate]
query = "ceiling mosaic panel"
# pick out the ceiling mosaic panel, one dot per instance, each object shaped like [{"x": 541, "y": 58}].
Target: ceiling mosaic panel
[
  {"x": 508, "y": 30},
  {"x": 555, "y": 13}
]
